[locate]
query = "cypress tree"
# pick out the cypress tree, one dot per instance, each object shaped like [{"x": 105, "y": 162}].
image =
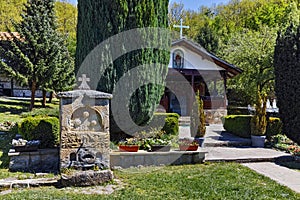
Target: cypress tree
[
  {"x": 99, "y": 20},
  {"x": 198, "y": 128},
  {"x": 259, "y": 120},
  {"x": 287, "y": 82},
  {"x": 38, "y": 58}
]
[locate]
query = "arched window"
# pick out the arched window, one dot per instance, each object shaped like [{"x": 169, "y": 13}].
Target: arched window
[{"x": 178, "y": 59}]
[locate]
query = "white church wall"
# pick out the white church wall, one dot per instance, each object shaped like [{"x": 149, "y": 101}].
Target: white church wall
[{"x": 191, "y": 60}]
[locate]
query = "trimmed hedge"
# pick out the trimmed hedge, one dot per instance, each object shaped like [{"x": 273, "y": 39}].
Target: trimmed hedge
[
  {"x": 274, "y": 127},
  {"x": 171, "y": 126},
  {"x": 239, "y": 125},
  {"x": 45, "y": 129}
]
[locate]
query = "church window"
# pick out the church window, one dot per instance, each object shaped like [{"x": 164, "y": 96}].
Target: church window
[{"x": 178, "y": 59}]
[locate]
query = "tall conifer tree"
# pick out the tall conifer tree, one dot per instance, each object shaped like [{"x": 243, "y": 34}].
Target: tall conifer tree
[
  {"x": 287, "y": 82},
  {"x": 99, "y": 20},
  {"x": 38, "y": 58}
]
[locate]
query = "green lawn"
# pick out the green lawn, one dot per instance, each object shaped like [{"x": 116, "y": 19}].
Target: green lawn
[
  {"x": 206, "y": 181},
  {"x": 12, "y": 109}
]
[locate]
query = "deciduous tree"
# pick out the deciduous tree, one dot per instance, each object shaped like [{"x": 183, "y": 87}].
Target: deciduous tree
[{"x": 38, "y": 57}]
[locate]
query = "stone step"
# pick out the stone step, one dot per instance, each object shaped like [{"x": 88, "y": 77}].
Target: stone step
[
  {"x": 250, "y": 160},
  {"x": 215, "y": 143},
  {"x": 27, "y": 183}
]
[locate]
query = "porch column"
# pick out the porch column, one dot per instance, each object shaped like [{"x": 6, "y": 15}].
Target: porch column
[
  {"x": 192, "y": 97},
  {"x": 225, "y": 87},
  {"x": 215, "y": 87}
]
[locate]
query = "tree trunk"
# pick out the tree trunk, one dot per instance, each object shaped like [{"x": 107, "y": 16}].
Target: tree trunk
[
  {"x": 44, "y": 99},
  {"x": 50, "y": 97},
  {"x": 33, "y": 89},
  {"x": 12, "y": 87}
]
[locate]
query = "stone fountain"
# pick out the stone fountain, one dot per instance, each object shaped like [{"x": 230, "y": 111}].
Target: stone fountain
[{"x": 84, "y": 134}]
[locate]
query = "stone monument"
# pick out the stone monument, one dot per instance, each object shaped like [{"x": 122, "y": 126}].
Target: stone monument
[{"x": 84, "y": 136}]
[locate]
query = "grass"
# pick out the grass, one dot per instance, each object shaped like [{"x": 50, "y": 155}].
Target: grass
[{"x": 210, "y": 181}]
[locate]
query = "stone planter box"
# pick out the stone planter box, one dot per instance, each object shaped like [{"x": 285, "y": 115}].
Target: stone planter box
[
  {"x": 42, "y": 160},
  {"x": 144, "y": 158},
  {"x": 47, "y": 160},
  {"x": 258, "y": 141}
]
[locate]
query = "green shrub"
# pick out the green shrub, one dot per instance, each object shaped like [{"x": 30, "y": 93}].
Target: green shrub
[
  {"x": 171, "y": 126},
  {"x": 45, "y": 129},
  {"x": 238, "y": 125},
  {"x": 274, "y": 127}
]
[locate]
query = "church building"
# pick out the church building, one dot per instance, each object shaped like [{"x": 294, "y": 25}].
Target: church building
[{"x": 192, "y": 69}]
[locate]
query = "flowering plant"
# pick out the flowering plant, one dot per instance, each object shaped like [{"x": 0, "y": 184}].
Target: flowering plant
[
  {"x": 187, "y": 142},
  {"x": 294, "y": 150},
  {"x": 297, "y": 151},
  {"x": 129, "y": 141}
]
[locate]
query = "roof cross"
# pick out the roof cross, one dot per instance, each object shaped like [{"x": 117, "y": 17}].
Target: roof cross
[
  {"x": 181, "y": 28},
  {"x": 84, "y": 80}
]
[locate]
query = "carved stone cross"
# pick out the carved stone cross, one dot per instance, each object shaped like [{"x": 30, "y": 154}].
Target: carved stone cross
[
  {"x": 84, "y": 80},
  {"x": 181, "y": 28}
]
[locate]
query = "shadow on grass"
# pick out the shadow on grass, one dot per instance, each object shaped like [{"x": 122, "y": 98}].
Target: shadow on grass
[
  {"x": 4, "y": 109},
  {"x": 18, "y": 106}
]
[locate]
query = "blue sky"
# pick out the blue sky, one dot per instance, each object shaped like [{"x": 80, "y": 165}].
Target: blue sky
[
  {"x": 195, "y": 4},
  {"x": 190, "y": 4}
]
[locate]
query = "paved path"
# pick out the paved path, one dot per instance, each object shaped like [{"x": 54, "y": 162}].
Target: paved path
[
  {"x": 225, "y": 147},
  {"x": 243, "y": 154},
  {"x": 282, "y": 175}
]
